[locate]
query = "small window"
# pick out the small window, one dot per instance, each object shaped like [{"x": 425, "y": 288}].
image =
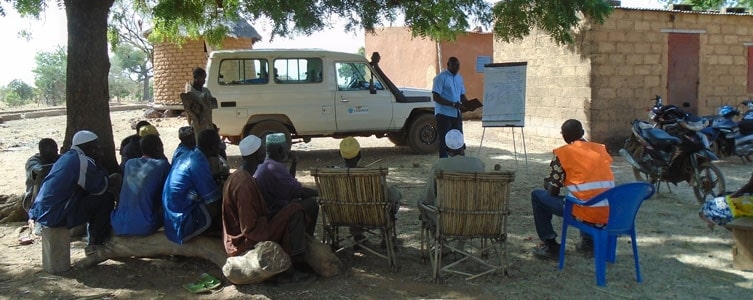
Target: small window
[
  {"x": 298, "y": 70},
  {"x": 356, "y": 77},
  {"x": 244, "y": 71}
]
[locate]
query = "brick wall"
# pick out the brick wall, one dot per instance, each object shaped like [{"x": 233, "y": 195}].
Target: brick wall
[
  {"x": 556, "y": 86},
  {"x": 174, "y": 64},
  {"x": 628, "y": 57},
  {"x": 630, "y": 64},
  {"x": 607, "y": 77}
]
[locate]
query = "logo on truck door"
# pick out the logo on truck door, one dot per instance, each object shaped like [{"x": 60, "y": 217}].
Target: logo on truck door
[{"x": 358, "y": 110}]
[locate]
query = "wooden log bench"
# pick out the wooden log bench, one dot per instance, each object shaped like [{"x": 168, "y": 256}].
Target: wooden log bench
[
  {"x": 267, "y": 259},
  {"x": 742, "y": 248}
]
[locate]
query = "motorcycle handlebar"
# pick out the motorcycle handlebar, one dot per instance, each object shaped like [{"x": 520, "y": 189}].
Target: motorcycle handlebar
[{"x": 657, "y": 99}]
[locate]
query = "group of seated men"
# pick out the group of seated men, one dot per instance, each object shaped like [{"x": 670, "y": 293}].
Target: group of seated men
[{"x": 261, "y": 200}]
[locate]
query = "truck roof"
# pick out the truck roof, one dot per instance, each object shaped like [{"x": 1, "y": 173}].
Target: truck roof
[{"x": 307, "y": 52}]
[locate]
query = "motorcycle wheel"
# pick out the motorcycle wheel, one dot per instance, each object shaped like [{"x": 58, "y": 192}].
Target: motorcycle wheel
[
  {"x": 710, "y": 183},
  {"x": 639, "y": 176}
]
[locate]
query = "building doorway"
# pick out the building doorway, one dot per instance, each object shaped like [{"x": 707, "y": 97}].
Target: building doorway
[{"x": 682, "y": 72}]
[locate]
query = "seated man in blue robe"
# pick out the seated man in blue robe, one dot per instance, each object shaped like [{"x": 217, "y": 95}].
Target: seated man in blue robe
[
  {"x": 76, "y": 192},
  {"x": 139, "y": 210},
  {"x": 191, "y": 196}
]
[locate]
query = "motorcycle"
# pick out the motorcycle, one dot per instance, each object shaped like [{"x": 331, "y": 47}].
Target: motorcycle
[
  {"x": 744, "y": 138},
  {"x": 673, "y": 150},
  {"x": 662, "y": 115},
  {"x": 722, "y": 131}
]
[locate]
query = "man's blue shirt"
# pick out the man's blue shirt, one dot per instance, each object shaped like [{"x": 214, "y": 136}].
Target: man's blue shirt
[
  {"x": 450, "y": 87},
  {"x": 180, "y": 152},
  {"x": 139, "y": 209}
]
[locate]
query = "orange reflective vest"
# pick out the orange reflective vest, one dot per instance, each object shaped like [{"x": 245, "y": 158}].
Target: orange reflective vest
[{"x": 587, "y": 173}]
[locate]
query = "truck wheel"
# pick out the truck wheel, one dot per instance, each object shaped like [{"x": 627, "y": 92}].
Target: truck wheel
[
  {"x": 263, "y": 128},
  {"x": 398, "y": 139},
  {"x": 422, "y": 135}
]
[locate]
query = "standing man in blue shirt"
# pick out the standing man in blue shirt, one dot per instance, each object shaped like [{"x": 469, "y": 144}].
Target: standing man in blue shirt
[{"x": 449, "y": 96}]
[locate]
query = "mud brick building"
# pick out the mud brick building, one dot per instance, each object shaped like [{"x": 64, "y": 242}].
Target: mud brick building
[{"x": 174, "y": 64}]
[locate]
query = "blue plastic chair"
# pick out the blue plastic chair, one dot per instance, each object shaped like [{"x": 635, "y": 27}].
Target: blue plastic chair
[{"x": 624, "y": 201}]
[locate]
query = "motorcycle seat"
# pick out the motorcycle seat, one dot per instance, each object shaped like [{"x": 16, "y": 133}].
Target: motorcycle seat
[{"x": 661, "y": 138}]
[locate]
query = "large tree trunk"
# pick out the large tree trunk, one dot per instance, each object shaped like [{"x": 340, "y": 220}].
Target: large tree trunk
[
  {"x": 145, "y": 85},
  {"x": 87, "y": 95}
]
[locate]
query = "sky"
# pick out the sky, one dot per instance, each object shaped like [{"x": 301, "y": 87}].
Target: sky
[{"x": 50, "y": 32}]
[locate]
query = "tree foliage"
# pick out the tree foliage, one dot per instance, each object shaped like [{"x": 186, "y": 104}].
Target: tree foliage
[
  {"x": 17, "y": 92},
  {"x": 50, "y": 75},
  {"x": 125, "y": 33},
  {"x": 436, "y": 19}
]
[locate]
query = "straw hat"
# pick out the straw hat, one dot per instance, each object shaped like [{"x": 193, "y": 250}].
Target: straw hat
[{"x": 349, "y": 148}]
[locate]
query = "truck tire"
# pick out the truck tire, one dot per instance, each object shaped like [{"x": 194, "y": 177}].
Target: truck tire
[
  {"x": 398, "y": 139},
  {"x": 422, "y": 134},
  {"x": 263, "y": 128}
]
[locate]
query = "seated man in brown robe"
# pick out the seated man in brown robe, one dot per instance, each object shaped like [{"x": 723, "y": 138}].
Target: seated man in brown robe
[{"x": 244, "y": 215}]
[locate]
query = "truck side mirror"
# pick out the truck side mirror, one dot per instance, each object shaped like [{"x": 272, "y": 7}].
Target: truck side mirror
[{"x": 372, "y": 88}]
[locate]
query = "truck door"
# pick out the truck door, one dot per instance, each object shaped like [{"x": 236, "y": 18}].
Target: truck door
[{"x": 361, "y": 101}]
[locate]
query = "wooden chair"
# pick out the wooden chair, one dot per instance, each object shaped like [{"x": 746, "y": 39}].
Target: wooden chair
[
  {"x": 471, "y": 208},
  {"x": 356, "y": 197}
]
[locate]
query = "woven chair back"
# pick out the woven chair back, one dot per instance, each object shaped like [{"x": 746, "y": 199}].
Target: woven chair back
[
  {"x": 353, "y": 196},
  {"x": 473, "y": 204}
]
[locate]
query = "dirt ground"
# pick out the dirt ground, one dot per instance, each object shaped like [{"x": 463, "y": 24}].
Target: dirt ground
[{"x": 680, "y": 257}]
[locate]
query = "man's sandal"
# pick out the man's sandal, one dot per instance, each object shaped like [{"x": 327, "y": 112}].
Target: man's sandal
[{"x": 206, "y": 282}]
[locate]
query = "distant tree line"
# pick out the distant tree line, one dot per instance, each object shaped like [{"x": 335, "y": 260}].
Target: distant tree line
[
  {"x": 125, "y": 79},
  {"x": 130, "y": 70}
]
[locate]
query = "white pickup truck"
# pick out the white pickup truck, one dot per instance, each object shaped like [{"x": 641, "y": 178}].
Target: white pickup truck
[{"x": 315, "y": 93}]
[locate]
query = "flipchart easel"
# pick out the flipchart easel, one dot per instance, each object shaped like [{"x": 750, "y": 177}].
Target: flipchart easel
[{"x": 504, "y": 101}]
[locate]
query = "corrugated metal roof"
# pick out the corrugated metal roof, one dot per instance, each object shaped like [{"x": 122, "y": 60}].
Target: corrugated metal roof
[{"x": 709, "y": 12}]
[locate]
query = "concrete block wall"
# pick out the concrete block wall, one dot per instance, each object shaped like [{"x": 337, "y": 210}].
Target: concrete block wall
[
  {"x": 724, "y": 59},
  {"x": 556, "y": 86},
  {"x": 174, "y": 64},
  {"x": 608, "y": 77},
  {"x": 628, "y": 57},
  {"x": 629, "y": 61}
]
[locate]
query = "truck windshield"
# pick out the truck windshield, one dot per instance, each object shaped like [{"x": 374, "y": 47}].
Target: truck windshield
[{"x": 356, "y": 76}]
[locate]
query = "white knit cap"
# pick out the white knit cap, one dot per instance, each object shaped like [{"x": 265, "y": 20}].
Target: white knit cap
[
  {"x": 454, "y": 139},
  {"x": 83, "y": 137},
  {"x": 249, "y": 145}
]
